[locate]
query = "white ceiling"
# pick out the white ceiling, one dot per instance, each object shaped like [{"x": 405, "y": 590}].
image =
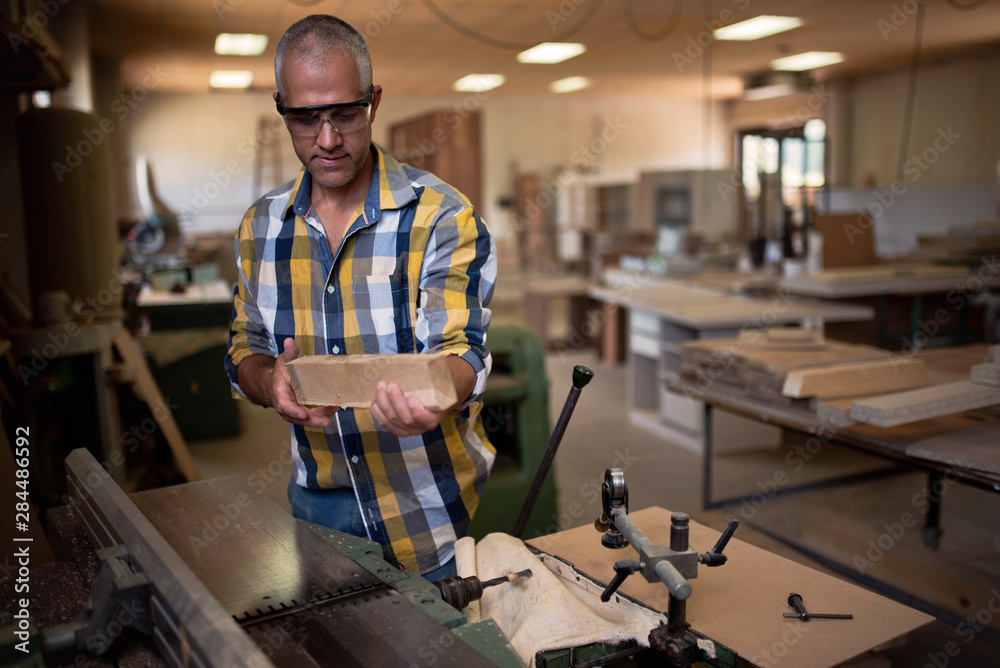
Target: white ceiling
[{"x": 415, "y": 52}]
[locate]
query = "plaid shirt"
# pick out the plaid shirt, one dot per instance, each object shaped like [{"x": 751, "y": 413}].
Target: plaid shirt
[{"x": 414, "y": 273}]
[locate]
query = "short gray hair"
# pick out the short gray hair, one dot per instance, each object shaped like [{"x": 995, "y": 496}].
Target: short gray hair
[{"x": 315, "y": 37}]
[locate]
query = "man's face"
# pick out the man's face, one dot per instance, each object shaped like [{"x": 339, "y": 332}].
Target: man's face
[{"x": 333, "y": 159}]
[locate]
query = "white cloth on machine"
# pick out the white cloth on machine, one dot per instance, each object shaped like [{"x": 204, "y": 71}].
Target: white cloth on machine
[{"x": 542, "y": 612}]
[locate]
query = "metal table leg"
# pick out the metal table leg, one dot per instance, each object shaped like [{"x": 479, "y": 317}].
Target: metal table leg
[
  {"x": 932, "y": 520},
  {"x": 706, "y": 461}
]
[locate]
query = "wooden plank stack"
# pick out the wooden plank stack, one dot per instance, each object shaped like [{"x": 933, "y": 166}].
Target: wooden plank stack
[
  {"x": 758, "y": 369},
  {"x": 967, "y": 245},
  {"x": 839, "y": 383},
  {"x": 891, "y": 410}
]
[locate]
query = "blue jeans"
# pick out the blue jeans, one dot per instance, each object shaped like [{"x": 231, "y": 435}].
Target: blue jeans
[{"x": 338, "y": 509}]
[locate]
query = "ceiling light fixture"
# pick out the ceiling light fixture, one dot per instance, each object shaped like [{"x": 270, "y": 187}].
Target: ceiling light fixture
[
  {"x": 478, "y": 83},
  {"x": 807, "y": 61},
  {"x": 570, "y": 84},
  {"x": 766, "y": 85},
  {"x": 551, "y": 52},
  {"x": 231, "y": 79},
  {"x": 240, "y": 44},
  {"x": 757, "y": 28}
]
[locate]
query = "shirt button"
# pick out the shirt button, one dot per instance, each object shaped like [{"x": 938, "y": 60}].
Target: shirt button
[
  {"x": 330, "y": 289},
  {"x": 335, "y": 349},
  {"x": 354, "y": 459}
]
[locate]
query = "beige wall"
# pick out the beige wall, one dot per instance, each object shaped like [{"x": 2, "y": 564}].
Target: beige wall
[
  {"x": 203, "y": 146},
  {"x": 961, "y": 95}
]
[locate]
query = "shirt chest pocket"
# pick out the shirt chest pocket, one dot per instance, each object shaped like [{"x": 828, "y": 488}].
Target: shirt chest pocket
[{"x": 382, "y": 310}]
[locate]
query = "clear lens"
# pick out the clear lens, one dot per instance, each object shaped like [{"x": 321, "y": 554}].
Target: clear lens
[{"x": 310, "y": 123}]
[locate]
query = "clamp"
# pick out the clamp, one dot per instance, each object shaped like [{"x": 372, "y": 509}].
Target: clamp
[{"x": 672, "y": 564}]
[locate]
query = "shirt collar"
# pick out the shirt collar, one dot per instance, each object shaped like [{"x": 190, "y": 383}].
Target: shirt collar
[{"x": 390, "y": 188}]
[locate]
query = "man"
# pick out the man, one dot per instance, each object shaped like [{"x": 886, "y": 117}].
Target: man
[{"x": 361, "y": 254}]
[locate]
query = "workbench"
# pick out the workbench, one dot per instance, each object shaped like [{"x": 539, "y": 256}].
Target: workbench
[
  {"x": 741, "y": 604},
  {"x": 947, "y": 281},
  {"x": 890, "y": 444},
  {"x": 663, "y": 316}
]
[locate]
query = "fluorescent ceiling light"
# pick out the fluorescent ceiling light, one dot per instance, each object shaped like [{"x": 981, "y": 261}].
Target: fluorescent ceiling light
[
  {"x": 757, "y": 28},
  {"x": 807, "y": 61},
  {"x": 231, "y": 79},
  {"x": 240, "y": 44},
  {"x": 570, "y": 84},
  {"x": 478, "y": 83},
  {"x": 551, "y": 52}
]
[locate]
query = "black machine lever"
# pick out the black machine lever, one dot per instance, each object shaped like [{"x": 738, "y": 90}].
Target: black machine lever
[
  {"x": 714, "y": 557},
  {"x": 581, "y": 376},
  {"x": 623, "y": 569}
]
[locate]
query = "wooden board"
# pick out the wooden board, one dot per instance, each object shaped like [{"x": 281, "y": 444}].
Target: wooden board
[
  {"x": 150, "y": 393},
  {"x": 349, "y": 381},
  {"x": 785, "y": 361},
  {"x": 888, "y": 271},
  {"x": 740, "y": 604},
  {"x": 783, "y": 338},
  {"x": 986, "y": 374},
  {"x": 847, "y": 379},
  {"x": 913, "y": 405},
  {"x": 848, "y": 239},
  {"x": 976, "y": 447}
]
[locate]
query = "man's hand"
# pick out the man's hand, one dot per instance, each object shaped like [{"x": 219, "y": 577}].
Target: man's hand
[
  {"x": 264, "y": 380},
  {"x": 402, "y": 415},
  {"x": 282, "y": 396},
  {"x": 407, "y": 416}
]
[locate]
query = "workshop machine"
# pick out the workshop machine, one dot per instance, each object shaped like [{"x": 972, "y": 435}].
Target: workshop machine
[{"x": 218, "y": 575}]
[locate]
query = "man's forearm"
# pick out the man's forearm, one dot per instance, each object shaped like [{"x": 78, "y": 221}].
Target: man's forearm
[
  {"x": 254, "y": 377},
  {"x": 464, "y": 377}
]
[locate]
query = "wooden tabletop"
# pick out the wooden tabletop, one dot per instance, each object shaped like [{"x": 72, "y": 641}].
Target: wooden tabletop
[
  {"x": 740, "y": 604},
  {"x": 700, "y": 308}
]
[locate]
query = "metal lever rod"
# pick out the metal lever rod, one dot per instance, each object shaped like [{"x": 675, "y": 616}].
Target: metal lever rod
[
  {"x": 581, "y": 376},
  {"x": 726, "y": 535},
  {"x": 623, "y": 569},
  {"x": 715, "y": 556}
]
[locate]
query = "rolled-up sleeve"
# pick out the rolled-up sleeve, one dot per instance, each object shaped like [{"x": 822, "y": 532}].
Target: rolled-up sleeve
[
  {"x": 456, "y": 285},
  {"x": 247, "y": 333}
]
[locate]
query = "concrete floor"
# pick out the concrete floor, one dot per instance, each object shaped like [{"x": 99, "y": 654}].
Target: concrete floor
[{"x": 658, "y": 473}]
